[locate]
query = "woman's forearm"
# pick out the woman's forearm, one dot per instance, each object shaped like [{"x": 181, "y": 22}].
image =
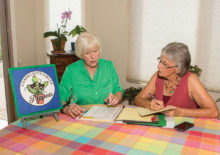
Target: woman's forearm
[
  {"x": 139, "y": 101},
  {"x": 199, "y": 112}
]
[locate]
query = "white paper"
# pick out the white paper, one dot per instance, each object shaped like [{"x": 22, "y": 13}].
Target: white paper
[
  {"x": 103, "y": 112},
  {"x": 170, "y": 123}
]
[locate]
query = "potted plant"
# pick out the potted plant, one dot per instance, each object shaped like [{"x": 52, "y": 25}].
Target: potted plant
[
  {"x": 77, "y": 30},
  {"x": 130, "y": 93},
  {"x": 60, "y": 34},
  {"x": 195, "y": 69}
]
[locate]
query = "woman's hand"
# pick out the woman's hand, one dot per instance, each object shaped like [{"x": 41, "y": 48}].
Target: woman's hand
[
  {"x": 73, "y": 110},
  {"x": 112, "y": 100},
  {"x": 156, "y": 105},
  {"x": 172, "y": 113}
]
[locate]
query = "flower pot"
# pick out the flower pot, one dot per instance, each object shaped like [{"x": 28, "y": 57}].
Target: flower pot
[
  {"x": 56, "y": 48},
  {"x": 39, "y": 98}
]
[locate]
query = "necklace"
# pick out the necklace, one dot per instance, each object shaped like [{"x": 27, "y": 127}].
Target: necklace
[{"x": 170, "y": 86}]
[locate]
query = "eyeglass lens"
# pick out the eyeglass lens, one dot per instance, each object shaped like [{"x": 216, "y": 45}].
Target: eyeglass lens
[{"x": 164, "y": 64}]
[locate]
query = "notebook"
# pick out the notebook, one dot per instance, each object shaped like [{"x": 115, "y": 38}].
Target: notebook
[
  {"x": 145, "y": 112},
  {"x": 130, "y": 113}
]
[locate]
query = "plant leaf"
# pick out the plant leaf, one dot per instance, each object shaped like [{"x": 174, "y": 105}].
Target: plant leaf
[
  {"x": 62, "y": 37},
  {"x": 77, "y": 30},
  {"x": 50, "y": 33}
]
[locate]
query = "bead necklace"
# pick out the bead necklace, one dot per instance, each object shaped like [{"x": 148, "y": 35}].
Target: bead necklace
[{"x": 170, "y": 86}]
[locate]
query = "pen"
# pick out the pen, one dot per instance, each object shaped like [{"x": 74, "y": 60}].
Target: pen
[
  {"x": 87, "y": 117},
  {"x": 82, "y": 114},
  {"x": 107, "y": 103},
  {"x": 151, "y": 97}
]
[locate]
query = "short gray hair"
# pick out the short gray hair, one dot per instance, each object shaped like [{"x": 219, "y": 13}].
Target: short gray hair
[
  {"x": 85, "y": 42},
  {"x": 178, "y": 53}
]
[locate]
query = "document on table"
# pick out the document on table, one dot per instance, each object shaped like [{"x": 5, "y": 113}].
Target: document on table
[
  {"x": 129, "y": 113},
  {"x": 102, "y": 113},
  {"x": 145, "y": 111},
  {"x": 170, "y": 122}
]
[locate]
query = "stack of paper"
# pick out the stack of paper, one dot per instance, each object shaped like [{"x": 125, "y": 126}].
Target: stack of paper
[
  {"x": 130, "y": 113},
  {"x": 127, "y": 114},
  {"x": 102, "y": 113},
  {"x": 142, "y": 116}
]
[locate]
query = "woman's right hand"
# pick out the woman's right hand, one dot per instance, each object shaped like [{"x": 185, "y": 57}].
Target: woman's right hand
[
  {"x": 156, "y": 105},
  {"x": 73, "y": 110}
]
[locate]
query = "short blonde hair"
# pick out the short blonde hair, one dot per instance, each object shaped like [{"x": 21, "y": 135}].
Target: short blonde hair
[{"x": 85, "y": 42}]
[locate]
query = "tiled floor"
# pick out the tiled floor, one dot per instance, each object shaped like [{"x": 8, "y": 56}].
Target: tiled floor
[{"x": 3, "y": 114}]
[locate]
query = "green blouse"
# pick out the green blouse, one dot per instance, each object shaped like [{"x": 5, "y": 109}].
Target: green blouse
[{"x": 77, "y": 81}]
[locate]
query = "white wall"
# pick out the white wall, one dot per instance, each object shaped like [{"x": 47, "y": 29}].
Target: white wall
[
  {"x": 108, "y": 19},
  {"x": 28, "y": 28}
]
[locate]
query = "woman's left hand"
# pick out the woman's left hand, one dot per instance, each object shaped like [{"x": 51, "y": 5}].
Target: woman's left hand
[
  {"x": 171, "y": 113},
  {"x": 112, "y": 100}
]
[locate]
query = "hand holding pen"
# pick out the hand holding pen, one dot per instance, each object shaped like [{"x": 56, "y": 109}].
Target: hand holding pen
[
  {"x": 111, "y": 100},
  {"x": 154, "y": 103},
  {"x": 107, "y": 102},
  {"x": 74, "y": 110}
]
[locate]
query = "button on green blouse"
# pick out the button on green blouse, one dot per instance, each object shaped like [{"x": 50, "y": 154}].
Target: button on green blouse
[{"x": 77, "y": 81}]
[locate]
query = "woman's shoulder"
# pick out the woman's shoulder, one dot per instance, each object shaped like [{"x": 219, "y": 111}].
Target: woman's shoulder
[
  {"x": 192, "y": 77},
  {"x": 155, "y": 77},
  {"x": 75, "y": 65},
  {"x": 193, "y": 81},
  {"x": 105, "y": 62}
]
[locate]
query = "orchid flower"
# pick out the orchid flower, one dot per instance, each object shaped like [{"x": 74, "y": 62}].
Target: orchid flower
[{"x": 66, "y": 15}]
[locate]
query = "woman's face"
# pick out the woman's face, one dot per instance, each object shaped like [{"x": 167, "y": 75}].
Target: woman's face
[
  {"x": 91, "y": 57},
  {"x": 166, "y": 67}
]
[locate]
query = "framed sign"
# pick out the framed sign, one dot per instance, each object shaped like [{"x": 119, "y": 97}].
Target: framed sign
[{"x": 35, "y": 89}]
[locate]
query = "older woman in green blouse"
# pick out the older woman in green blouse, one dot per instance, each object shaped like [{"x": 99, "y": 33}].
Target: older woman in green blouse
[{"x": 91, "y": 80}]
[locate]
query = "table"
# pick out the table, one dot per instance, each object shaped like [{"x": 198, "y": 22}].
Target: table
[{"x": 68, "y": 136}]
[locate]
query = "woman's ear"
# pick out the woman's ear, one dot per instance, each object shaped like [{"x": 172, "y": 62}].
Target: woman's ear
[{"x": 177, "y": 70}]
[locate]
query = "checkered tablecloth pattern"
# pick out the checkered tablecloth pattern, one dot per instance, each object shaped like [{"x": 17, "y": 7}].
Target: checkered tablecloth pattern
[{"x": 69, "y": 136}]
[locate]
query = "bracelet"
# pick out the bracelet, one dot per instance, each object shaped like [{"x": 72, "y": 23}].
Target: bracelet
[{"x": 65, "y": 105}]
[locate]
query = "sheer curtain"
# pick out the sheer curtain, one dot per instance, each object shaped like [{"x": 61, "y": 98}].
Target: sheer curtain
[
  {"x": 153, "y": 24},
  {"x": 54, "y": 9}
]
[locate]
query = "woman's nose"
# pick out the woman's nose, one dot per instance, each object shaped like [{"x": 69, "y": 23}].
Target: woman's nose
[
  {"x": 159, "y": 66},
  {"x": 92, "y": 55}
]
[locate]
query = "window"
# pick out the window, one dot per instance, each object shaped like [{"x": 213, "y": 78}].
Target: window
[
  {"x": 54, "y": 11},
  {"x": 154, "y": 24}
]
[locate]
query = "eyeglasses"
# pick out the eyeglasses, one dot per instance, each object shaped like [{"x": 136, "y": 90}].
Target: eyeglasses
[{"x": 164, "y": 64}]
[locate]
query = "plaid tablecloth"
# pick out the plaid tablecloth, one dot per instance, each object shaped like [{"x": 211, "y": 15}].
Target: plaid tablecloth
[{"x": 68, "y": 136}]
